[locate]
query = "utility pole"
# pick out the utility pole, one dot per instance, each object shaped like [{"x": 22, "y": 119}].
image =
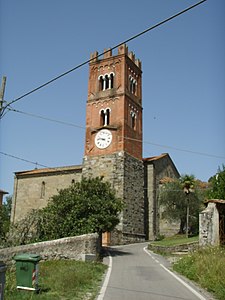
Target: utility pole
[{"x": 2, "y": 92}]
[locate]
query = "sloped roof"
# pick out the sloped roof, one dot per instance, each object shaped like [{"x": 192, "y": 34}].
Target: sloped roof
[
  {"x": 3, "y": 192},
  {"x": 48, "y": 170},
  {"x": 153, "y": 158}
]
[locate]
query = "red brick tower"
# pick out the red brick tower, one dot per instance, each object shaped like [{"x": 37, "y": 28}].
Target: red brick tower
[
  {"x": 113, "y": 145},
  {"x": 114, "y": 105}
]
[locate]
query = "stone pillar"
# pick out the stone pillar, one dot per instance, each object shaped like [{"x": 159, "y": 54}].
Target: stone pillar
[{"x": 209, "y": 226}]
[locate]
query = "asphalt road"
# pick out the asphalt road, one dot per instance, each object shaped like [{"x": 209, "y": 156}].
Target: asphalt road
[{"x": 134, "y": 273}]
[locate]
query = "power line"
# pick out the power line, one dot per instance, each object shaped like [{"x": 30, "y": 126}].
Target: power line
[
  {"x": 46, "y": 118},
  {"x": 89, "y": 60},
  {"x": 128, "y": 138},
  {"x": 22, "y": 159},
  {"x": 185, "y": 150}
]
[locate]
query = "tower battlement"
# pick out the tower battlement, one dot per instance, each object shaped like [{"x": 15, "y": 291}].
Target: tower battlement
[{"x": 122, "y": 50}]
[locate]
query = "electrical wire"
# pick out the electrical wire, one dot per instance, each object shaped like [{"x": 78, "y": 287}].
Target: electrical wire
[
  {"x": 22, "y": 159},
  {"x": 128, "y": 138},
  {"x": 64, "y": 172},
  {"x": 114, "y": 47},
  {"x": 46, "y": 118}
]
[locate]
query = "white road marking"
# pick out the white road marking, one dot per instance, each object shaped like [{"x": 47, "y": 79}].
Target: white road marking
[
  {"x": 176, "y": 277},
  {"x": 106, "y": 281}
]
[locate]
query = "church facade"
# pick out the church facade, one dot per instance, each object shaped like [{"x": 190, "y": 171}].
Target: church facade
[{"x": 113, "y": 149}]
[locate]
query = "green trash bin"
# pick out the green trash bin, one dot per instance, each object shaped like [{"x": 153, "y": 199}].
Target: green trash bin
[
  {"x": 2, "y": 279},
  {"x": 27, "y": 271}
]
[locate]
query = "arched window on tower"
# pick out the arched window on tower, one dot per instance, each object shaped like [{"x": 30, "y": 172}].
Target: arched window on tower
[
  {"x": 132, "y": 85},
  {"x": 106, "y": 81},
  {"x": 102, "y": 117},
  {"x": 101, "y": 83},
  {"x": 111, "y": 80},
  {"x": 133, "y": 120},
  {"x": 105, "y": 117}
]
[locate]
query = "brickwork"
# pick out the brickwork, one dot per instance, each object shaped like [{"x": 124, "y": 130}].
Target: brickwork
[{"x": 121, "y": 101}]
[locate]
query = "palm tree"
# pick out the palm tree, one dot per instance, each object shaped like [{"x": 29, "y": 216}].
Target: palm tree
[{"x": 188, "y": 183}]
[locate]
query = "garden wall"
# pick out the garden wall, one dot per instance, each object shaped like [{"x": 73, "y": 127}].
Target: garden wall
[
  {"x": 192, "y": 246},
  {"x": 84, "y": 247}
]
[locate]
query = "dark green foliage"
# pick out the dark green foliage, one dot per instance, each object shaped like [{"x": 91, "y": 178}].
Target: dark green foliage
[
  {"x": 5, "y": 211},
  {"x": 85, "y": 207},
  {"x": 217, "y": 185},
  {"x": 174, "y": 200}
]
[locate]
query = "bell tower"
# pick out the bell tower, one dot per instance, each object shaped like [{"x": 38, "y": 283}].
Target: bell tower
[
  {"x": 114, "y": 105},
  {"x": 113, "y": 143}
]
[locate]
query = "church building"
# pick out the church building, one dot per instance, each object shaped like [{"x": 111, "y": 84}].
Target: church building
[{"x": 113, "y": 149}]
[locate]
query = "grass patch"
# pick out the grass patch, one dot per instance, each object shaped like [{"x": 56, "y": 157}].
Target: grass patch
[
  {"x": 175, "y": 240},
  {"x": 64, "y": 279},
  {"x": 207, "y": 268}
]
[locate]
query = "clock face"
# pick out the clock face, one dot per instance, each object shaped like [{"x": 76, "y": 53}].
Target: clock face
[{"x": 103, "y": 138}]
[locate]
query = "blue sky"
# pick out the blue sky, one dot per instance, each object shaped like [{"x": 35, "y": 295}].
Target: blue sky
[{"x": 183, "y": 65}]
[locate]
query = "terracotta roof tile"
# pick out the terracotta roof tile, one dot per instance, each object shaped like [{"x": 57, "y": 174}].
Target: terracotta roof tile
[
  {"x": 155, "y": 157},
  {"x": 48, "y": 170}
]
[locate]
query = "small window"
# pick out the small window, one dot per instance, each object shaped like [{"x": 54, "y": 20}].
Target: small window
[
  {"x": 105, "y": 117},
  {"x": 132, "y": 85},
  {"x": 72, "y": 181},
  {"x": 106, "y": 81},
  {"x": 102, "y": 118},
  {"x": 101, "y": 83},
  {"x": 111, "y": 80},
  {"x": 133, "y": 120},
  {"x": 42, "y": 189}
]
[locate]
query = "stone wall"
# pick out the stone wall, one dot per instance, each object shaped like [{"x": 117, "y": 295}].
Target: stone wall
[
  {"x": 82, "y": 247},
  {"x": 32, "y": 189},
  {"x": 157, "y": 168},
  {"x": 209, "y": 226},
  {"x": 126, "y": 175},
  {"x": 178, "y": 248},
  {"x": 133, "y": 216}
]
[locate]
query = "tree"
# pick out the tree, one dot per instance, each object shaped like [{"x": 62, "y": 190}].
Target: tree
[
  {"x": 187, "y": 183},
  {"x": 174, "y": 202},
  {"x": 85, "y": 207},
  {"x": 5, "y": 212},
  {"x": 217, "y": 185}
]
